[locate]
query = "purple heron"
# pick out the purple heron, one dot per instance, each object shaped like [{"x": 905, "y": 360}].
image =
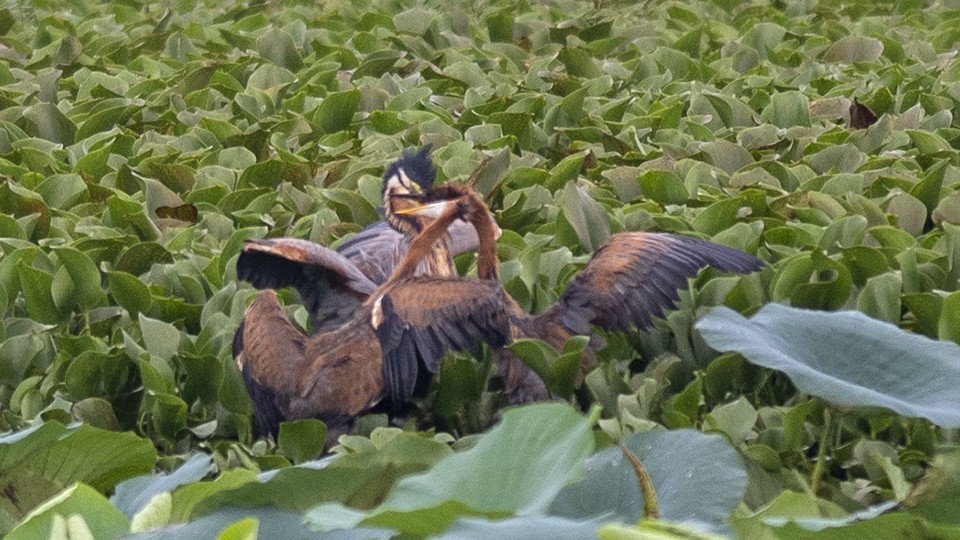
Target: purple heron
[
  {"x": 337, "y": 374},
  {"x": 631, "y": 278}
]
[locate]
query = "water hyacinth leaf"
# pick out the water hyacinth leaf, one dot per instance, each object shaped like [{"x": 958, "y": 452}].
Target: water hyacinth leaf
[
  {"x": 278, "y": 47},
  {"x": 812, "y": 280},
  {"x": 461, "y": 384},
  {"x": 515, "y": 469},
  {"x": 96, "y": 412},
  {"x": 649, "y": 529},
  {"x": 853, "y": 49},
  {"x": 536, "y": 461},
  {"x": 589, "y": 220},
  {"x": 87, "y": 289},
  {"x": 727, "y": 156},
  {"x": 40, "y": 462},
  {"x": 566, "y": 171},
  {"x": 845, "y": 358},
  {"x": 160, "y": 338},
  {"x": 63, "y": 190},
  {"x": 336, "y": 110},
  {"x": 138, "y": 258},
  {"x": 270, "y": 78},
  {"x": 664, "y": 187},
  {"x": 47, "y": 122},
  {"x": 949, "y": 327},
  {"x": 880, "y": 298},
  {"x": 787, "y": 109},
  {"x": 302, "y": 440},
  {"x": 129, "y": 292},
  {"x": 101, "y": 518},
  {"x": 529, "y": 527},
  {"x": 270, "y": 523},
  {"x": 929, "y": 143},
  {"x": 698, "y": 478},
  {"x": 132, "y": 495},
  {"x": 271, "y": 173},
  {"x": 36, "y": 286}
]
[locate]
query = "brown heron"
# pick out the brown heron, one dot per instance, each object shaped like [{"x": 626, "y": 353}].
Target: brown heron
[
  {"x": 337, "y": 374},
  {"x": 630, "y": 279},
  {"x": 334, "y": 284}
]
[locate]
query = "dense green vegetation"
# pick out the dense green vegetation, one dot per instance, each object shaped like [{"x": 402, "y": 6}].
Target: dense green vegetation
[{"x": 140, "y": 145}]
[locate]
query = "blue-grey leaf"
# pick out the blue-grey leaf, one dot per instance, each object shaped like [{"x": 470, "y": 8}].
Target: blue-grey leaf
[
  {"x": 698, "y": 478},
  {"x": 846, "y": 358}
]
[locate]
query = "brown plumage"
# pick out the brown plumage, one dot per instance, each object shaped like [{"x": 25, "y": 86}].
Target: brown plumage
[
  {"x": 337, "y": 374},
  {"x": 334, "y": 284},
  {"x": 632, "y": 278}
]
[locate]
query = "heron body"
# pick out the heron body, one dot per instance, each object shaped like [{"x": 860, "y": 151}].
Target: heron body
[
  {"x": 337, "y": 373},
  {"x": 333, "y": 285},
  {"x": 632, "y": 277}
]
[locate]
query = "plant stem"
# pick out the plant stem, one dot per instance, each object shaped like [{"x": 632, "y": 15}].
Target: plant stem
[
  {"x": 821, "y": 452},
  {"x": 651, "y": 507}
]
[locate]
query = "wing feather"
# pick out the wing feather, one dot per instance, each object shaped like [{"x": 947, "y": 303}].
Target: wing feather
[
  {"x": 377, "y": 249},
  {"x": 268, "y": 348},
  {"x": 330, "y": 286},
  {"x": 635, "y": 276},
  {"x": 422, "y": 319}
]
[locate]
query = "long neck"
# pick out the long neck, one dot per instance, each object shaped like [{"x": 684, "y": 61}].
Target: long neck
[
  {"x": 422, "y": 245},
  {"x": 487, "y": 264}
]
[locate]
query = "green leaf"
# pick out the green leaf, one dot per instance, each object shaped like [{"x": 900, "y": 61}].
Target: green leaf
[
  {"x": 270, "y": 78},
  {"x": 86, "y": 283},
  {"x": 589, "y": 220},
  {"x": 650, "y": 529},
  {"x": 543, "y": 527},
  {"x": 302, "y": 440},
  {"x": 36, "y": 286},
  {"x": 160, "y": 338},
  {"x": 81, "y": 502},
  {"x": 735, "y": 419},
  {"x": 39, "y": 462},
  {"x": 131, "y": 496},
  {"x": 949, "y": 328},
  {"x": 787, "y": 109},
  {"x": 129, "y": 292},
  {"x": 516, "y": 468},
  {"x": 664, "y": 187},
  {"x": 880, "y": 298},
  {"x": 271, "y": 173},
  {"x": 565, "y": 172},
  {"x": 853, "y": 49},
  {"x": 47, "y": 122},
  {"x": 277, "y": 46},
  {"x": 865, "y": 367},
  {"x": 336, "y": 111},
  {"x": 928, "y": 143}
]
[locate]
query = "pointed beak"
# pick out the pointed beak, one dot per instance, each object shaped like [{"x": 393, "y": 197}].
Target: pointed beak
[{"x": 429, "y": 210}]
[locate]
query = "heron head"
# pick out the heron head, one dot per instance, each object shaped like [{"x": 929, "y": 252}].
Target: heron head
[{"x": 412, "y": 173}]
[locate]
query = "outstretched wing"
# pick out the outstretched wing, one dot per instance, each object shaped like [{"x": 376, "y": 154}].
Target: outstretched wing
[
  {"x": 635, "y": 276},
  {"x": 377, "y": 249},
  {"x": 330, "y": 286},
  {"x": 419, "y": 320}
]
